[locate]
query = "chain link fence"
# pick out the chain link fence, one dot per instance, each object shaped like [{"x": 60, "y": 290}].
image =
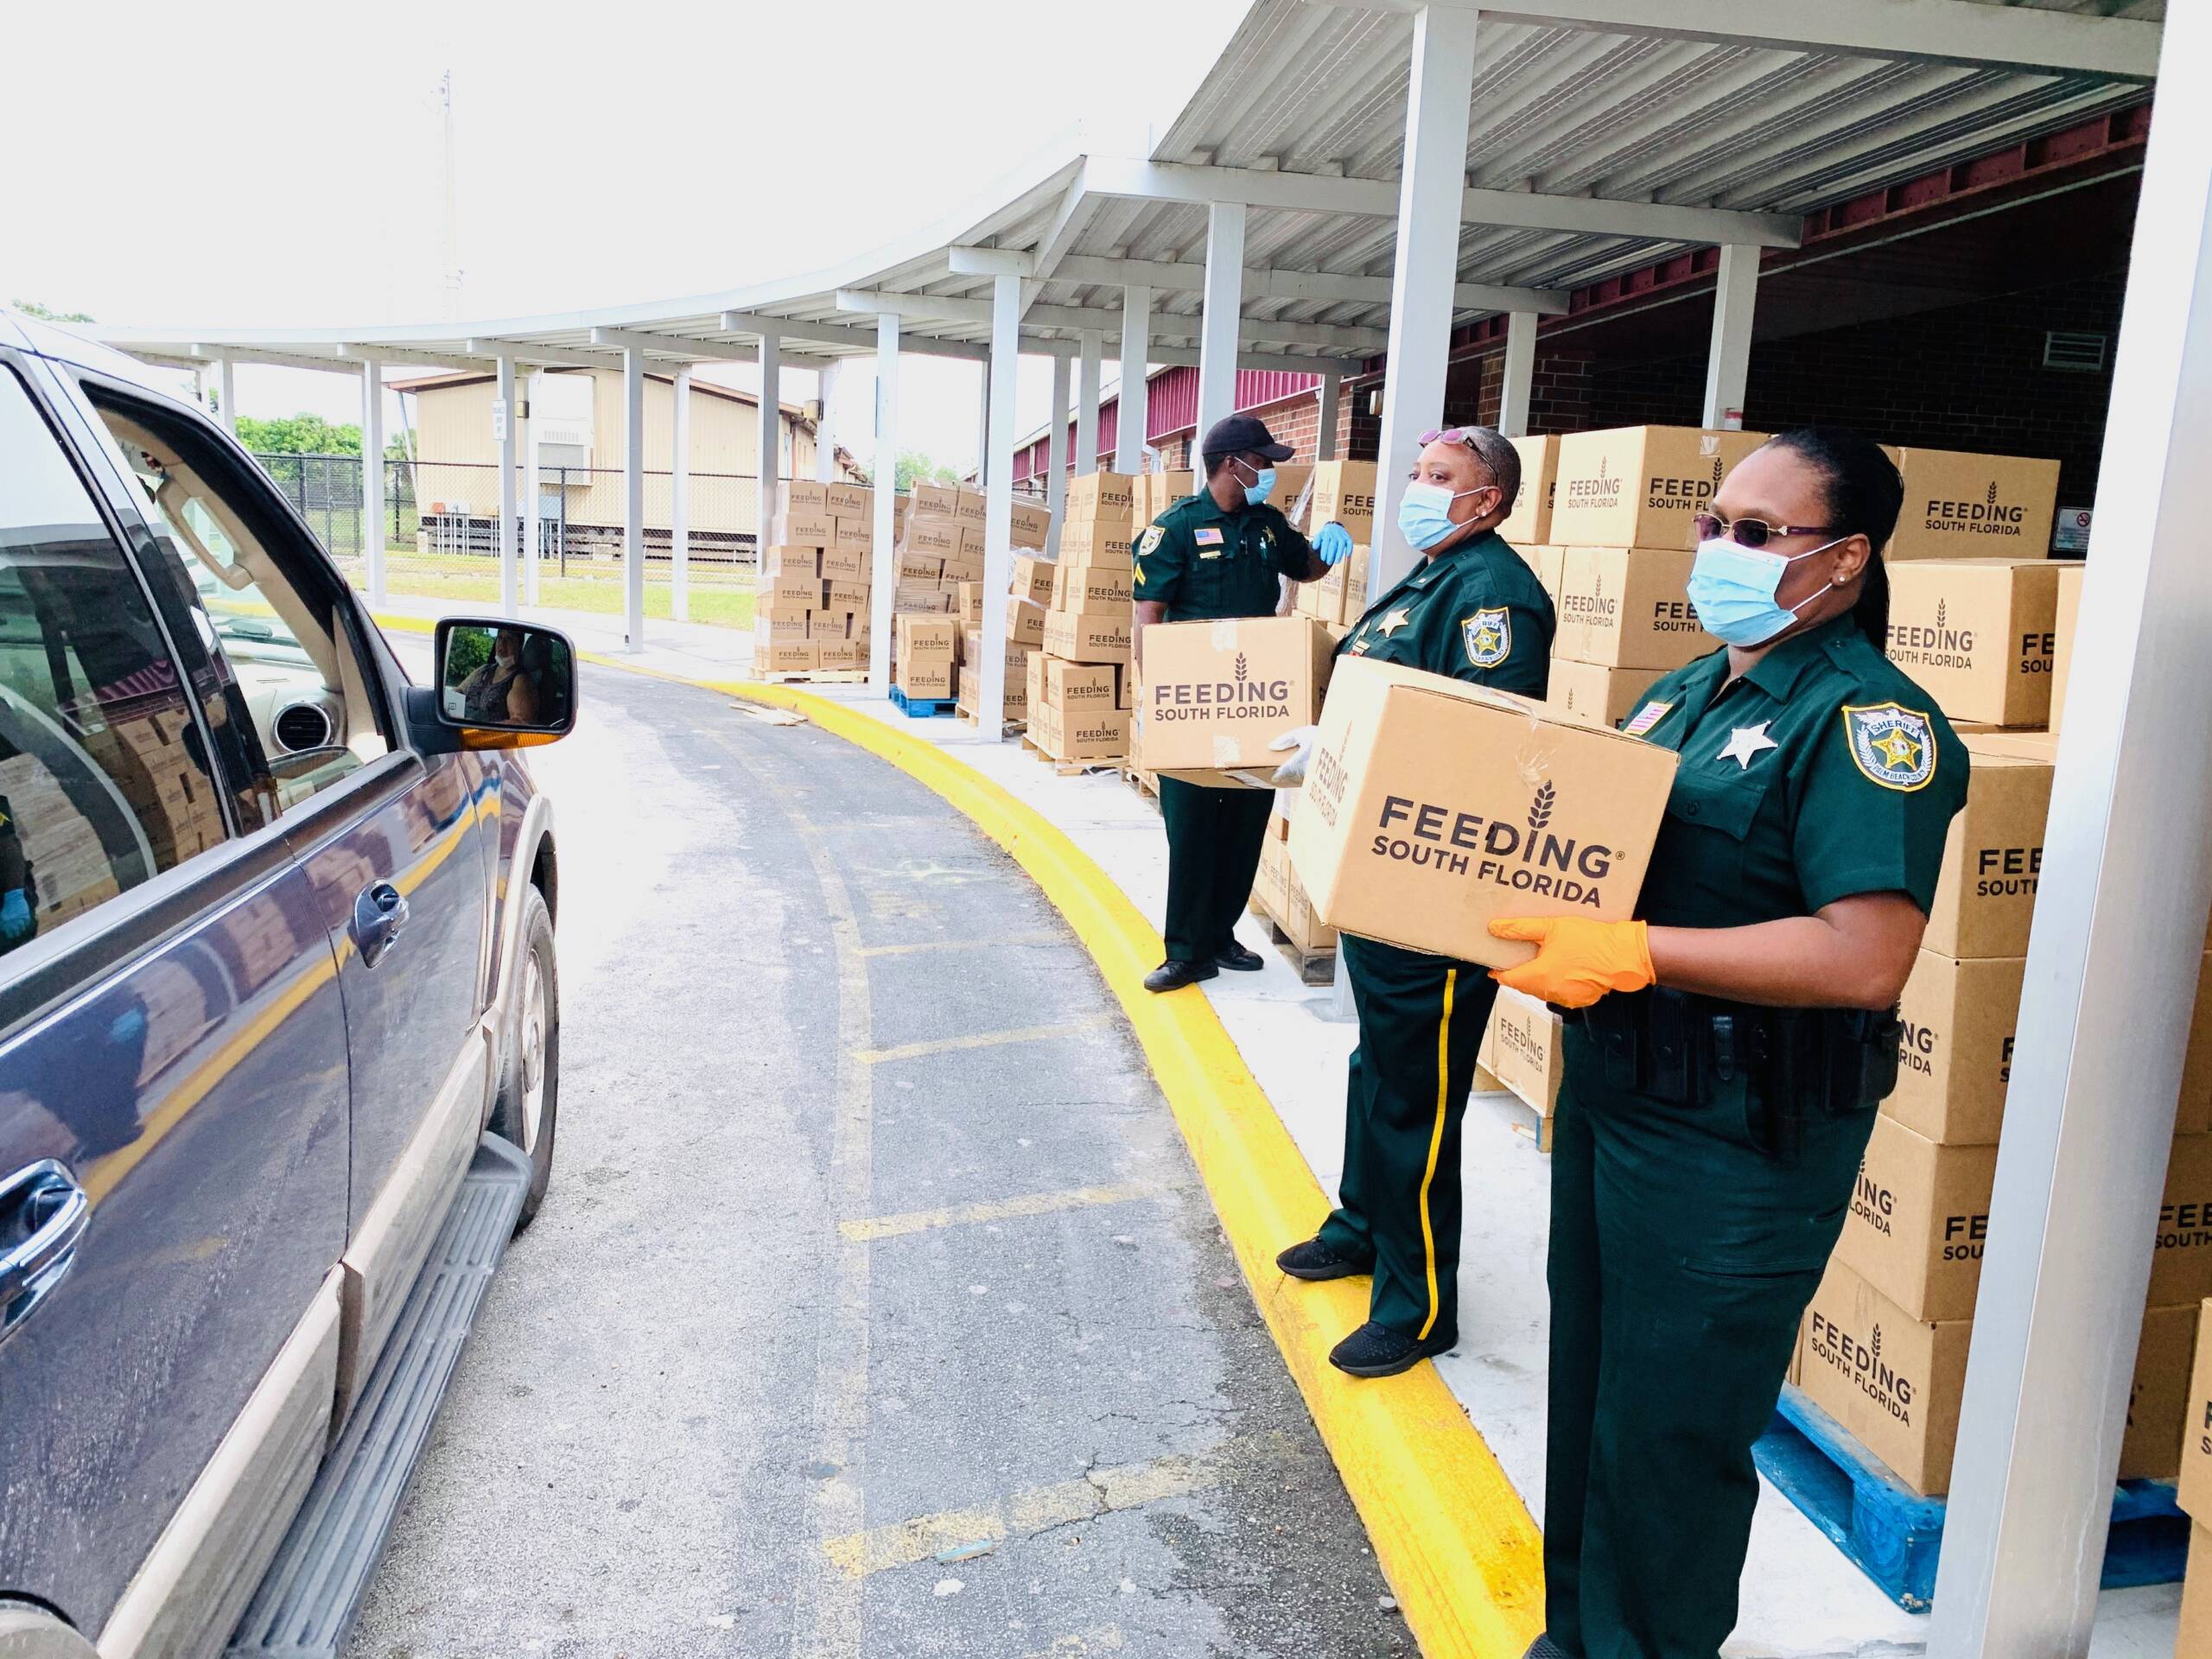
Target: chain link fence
[{"x": 441, "y": 531}]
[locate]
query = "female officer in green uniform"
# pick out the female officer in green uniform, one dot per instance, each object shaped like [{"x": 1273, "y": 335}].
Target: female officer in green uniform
[
  {"x": 1721, "y": 1080},
  {"x": 1474, "y": 610}
]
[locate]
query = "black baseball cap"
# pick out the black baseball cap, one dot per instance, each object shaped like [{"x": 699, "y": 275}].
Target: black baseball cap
[{"x": 1235, "y": 433}]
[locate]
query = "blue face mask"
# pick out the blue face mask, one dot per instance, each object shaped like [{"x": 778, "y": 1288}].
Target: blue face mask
[
  {"x": 1425, "y": 514},
  {"x": 1262, "y": 487},
  {"x": 1732, "y": 588}
]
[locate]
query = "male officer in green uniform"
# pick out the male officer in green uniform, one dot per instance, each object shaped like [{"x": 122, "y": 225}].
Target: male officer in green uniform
[
  {"x": 1472, "y": 610},
  {"x": 1219, "y": 553}
]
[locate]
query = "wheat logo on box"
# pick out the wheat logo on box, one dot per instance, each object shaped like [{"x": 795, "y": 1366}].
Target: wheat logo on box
[
  {"x": 1892, "y": 745},
  {"x": 1489, "y": 637},
  {"x": 1862, "y": 1363}
]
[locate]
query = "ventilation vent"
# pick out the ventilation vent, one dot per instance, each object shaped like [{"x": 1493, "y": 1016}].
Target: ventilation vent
[
  {"x": 302, "y": 726},
  {"x": 2081, "y": 352}
]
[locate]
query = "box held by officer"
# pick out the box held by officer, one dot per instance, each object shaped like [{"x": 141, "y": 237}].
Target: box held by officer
[
  {"x": 1958, "y": 505},
  {"x": 1639, "y": 485},
  {"x": 1215, "y": 694},
  {"x": 1627, "y": 607},
  {"x": 1977, "y": 634},
  {"x": 1432, "y": 806}
]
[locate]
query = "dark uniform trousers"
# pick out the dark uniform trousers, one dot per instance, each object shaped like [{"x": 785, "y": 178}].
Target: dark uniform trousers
[
  {"x": 1399, "y": 1205},
  {"x": 1682, "y": 1258},
  {"x": 1214, "y": 838}
]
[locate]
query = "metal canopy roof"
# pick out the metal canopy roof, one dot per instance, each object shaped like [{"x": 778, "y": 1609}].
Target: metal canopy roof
[{"x": 1605, "y": 133}]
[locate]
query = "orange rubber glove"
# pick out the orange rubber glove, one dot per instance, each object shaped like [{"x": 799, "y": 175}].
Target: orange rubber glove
[{"x": 1577, "y": 960}]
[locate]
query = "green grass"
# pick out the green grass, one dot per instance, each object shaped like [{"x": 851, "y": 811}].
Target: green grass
[{"x": 722, "y": 598}]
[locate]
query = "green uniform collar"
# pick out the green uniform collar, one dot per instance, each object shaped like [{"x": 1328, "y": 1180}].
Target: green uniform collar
[
  {"x": 1779, "y": 671},
  {"x": 1208, "y": 508}
]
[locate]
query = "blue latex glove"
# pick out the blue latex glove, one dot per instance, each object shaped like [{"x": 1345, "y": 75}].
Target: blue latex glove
[
  {"x": 14, "y": 915},
  {"x": 1333, "y": 544}
]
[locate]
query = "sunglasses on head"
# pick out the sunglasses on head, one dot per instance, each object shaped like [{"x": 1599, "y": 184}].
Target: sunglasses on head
[
  {"x": 1753, "y": 532},
  {"x": 1449, "y": 435}
]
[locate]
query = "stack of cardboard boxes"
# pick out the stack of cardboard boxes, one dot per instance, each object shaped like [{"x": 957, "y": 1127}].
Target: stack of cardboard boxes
[
  {"x": 810, "y": 609},
  {"x": 2195, "y": 1497},
  {"x": 1522, "y": 1052},
  {"x": 1078, "y": 680},
  {"x": 1280, "y": 896},
  {"x": 1343, "y": 494}
]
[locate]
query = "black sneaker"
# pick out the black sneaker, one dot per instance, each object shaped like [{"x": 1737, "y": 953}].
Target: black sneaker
[
  {"x": 1173, "y": 975},
  {"x": 1235, "y": 956},
  {"x": 1314, "y": 1260},
  {"x": 1376, "y": 1350}
]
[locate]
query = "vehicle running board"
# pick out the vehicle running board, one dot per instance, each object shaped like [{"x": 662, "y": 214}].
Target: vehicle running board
[{"x": 307, "y": 1601}]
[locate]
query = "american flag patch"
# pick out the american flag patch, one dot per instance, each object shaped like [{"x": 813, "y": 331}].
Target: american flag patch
[
  {"x": 1206, "y": 538},
  {"x": 1646, "y": 717}
]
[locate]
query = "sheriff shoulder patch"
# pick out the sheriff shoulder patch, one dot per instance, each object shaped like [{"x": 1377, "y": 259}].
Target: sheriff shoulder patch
[
  {"x": 1149, "y": 540},
  {"x": 1646, "y": 717},
  {"x": 1892, "y": 745},
  {"x": 1488, "y": 636}
]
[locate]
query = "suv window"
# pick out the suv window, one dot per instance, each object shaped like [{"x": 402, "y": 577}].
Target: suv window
[
  {"x": 103, "y": 776},
  {"x": 292, "y": 663}
]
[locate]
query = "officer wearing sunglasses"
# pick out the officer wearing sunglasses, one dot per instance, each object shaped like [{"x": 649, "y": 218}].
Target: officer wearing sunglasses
[
  {"x": 1729, "y": 1046},
  {"x": 1472, "y": 610}
]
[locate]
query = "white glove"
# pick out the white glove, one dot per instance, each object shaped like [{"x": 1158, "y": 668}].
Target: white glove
[{"x": 1300, "y": 740}]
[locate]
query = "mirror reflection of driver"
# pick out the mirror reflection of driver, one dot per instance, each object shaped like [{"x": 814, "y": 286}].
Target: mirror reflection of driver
[{"x": 501, "y": 689}]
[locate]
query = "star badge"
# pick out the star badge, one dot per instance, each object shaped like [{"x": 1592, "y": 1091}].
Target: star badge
[
  {"x": 1390, "y": 623},
  {"x": 1900, "y": 751},
  {"x": 1744, "y": 741}
]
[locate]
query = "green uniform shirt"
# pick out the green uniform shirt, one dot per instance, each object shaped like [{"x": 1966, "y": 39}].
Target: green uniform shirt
[
  {"x": 1822, "y": 773},
  {"x": 1204, "y": 563},
  {"x": 1477, "y": 612}
]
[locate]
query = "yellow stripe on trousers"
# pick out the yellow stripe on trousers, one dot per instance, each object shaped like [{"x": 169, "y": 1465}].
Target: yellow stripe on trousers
[{"x": 1436, "y": 1143}]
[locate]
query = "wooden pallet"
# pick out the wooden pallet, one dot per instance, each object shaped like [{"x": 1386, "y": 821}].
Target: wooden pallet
[
  {"x": 1313, "y": 967},
  {"x": 968, "y": 717},
  {"x": 919, "y": 707},
  {"x": 816, "y": 677},
  {"x": 1066, "y": 768},
  {"x": 1146, "y": 784},
  {"x": 1894, "y": 1535}
]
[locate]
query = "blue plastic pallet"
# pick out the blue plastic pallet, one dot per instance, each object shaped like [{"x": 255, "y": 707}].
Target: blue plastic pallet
[
  {"x": 1894, "y": 1535},
  {"x": 920, "y": 708}
]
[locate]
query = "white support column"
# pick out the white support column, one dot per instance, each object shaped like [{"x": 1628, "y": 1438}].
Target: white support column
[
  {"x": 508, "y": 415},
  {"x": 1056, "y": 454},
  {"x": 825, "y": 439},
  {"x": 634, "y": 498},
  {"x": 1729, "y": 362},
  {"x": 1422, "y": 282},
  {"x": 533, "y": 491},
  {"x": 2113, "y": 963},
  {"x": 1520, "y": 373},
  {"x": 227, "y": 394},
  {"x": 679, "y": 501},
  {"x": 1325, "y": 445},
  {"x": 984, "y": 419},
  {"x": 373, "y": 536},
  {"x": 1132, "y": 415},
  {"x": 768, "y": 435},
  {"x": 998, "y": 503},
  {"x": 1224, "y": 309},
  {"x": 1086, "y": 409},
  {"x": 886, "y": 573}
]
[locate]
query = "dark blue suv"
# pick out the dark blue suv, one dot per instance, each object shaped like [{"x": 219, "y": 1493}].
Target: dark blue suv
[{"x": 279, "y": 1032}]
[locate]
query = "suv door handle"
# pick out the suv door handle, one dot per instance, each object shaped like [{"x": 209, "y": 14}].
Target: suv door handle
[
  {"x": 43, "y": 1214},
  {"x": 379, "y": 915}
]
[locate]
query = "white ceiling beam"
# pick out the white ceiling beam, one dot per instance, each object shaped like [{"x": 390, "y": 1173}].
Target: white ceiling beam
[
  {"x": 1053, "y": 248},
  {"x": 459, "y": 362},
  {"x": 857, "y": 340},
  {"x": 682, "y": 348},
  {"x": 988, "y": 262},
  {"x": 308, "y": 357},
  {"x": 2023, "y": 38},
  {"x": 1264, "y": 362},
  {"x": 553, "y": 356},
  {"x": 965, "y": 310},
  {"x": 1307, "y": 192},
  {"x": 1186, "y": 276}
]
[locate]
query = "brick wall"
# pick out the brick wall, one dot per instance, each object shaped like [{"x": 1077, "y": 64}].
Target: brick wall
[{"x": 1296, "y": 421}]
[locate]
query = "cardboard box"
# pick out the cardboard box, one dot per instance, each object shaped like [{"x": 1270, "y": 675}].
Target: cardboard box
[
  {"x": 777, "y": 561},
  {"x": 803, "y": 527},
  {"x": 1526, "y": 1053},
  {"x": 1530, "y": 520},
  {"x": 1322, "y": 600},
  {"x": 1977, "y": 634},
  {"x": 1097, "y": 495},
  {"x": 1172, "y": 486},
  {"x": 970, "y": 508},
  {"x": 920, "y": 566},
  {"x": 1357, "y": 565},
  {"x": 1293, "y": 478},
  {"x": 1593, "y": 692},
  {"x": 1893, "y": 1381},
  {"x": 935, "y": 500},
  {"x": 1549, "y": 562},
  {"x": 1033, "y": 579},
  {"x": 1920, "y": 1215},
  {"x": 964, "y": 567},
  {"x": 2158, "y": 1402},
  {"x": 856, "y": 565},
  {"x": 1287, "y": 903},
  {"x": 805, "y": 497},
  {"x": 921, "y": 597},
  {"x": 1093, "y": 587},
  {"x": 1025, "y": 624},
  {"x": 916, "y": 638},
  {"x": 967, "y": 602},
  {"x": 1954, "y": 1055},
  {"x": 932, "y": 537},
  {"x": 1992, "y": 858},
  {"x": 853, "y": 535},
  {"x": 850, "y": 596},
  {"x": 1343, "y": 494},
  {"x": 850, "y": 501},
  {"x": 830, "y": 625},
  {"x": 786, "y": 657},
  {"x": 1627, "y": 607},
  {"x": 1962, "y": 505},
  {"x": 929, "y": 678},
  {"x": 1032, "y": 524},
  {"x": 1090, "y": 734},
  {"x": 1095, "y": 542},
  {"x": 1087, "y": 636},
  {"x": 2071, "y": 577},
  {"x": 2193, "y": 1113},
  {"x": 1432, "y": 806},
  {"x": 786, "y": 606},
  {"x": 779, "y": 628},
  {"x": 2193, "y": 1639},
  {"x": 1639, "y": 485},
  {"x": 840, "y": 653},
  {"x": 1217, "y": 693},
  {"x": 788, "y": 587},
  {"x": 1032, "y": 676},
  {"x": 1081, "y": 685},
  {"x": 2196, "y": 1494}
]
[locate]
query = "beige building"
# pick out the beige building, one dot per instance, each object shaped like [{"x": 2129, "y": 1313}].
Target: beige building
[{"x": 578, "y": 417}]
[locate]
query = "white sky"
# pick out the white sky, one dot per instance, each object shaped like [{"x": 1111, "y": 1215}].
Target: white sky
[{"x": 253, "y": 164}]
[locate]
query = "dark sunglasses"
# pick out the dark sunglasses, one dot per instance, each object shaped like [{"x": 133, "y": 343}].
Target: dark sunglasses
[{"x": 1753, "y": 532}]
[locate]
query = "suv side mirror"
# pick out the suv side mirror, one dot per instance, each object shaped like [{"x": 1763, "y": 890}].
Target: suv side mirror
[{"x": 502, "y": 684}]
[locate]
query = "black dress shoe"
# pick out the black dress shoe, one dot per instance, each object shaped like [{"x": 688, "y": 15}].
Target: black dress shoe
[
  {"x": 1376, "y": 1350},
  {"x": 1234, "y": 955},
  {"x": 1314, "y": 1260},
  {"x": 1173, "y": 975}
]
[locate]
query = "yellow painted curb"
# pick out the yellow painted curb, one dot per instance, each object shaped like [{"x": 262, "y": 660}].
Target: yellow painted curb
[{"x": 1454, "y": 1539}]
